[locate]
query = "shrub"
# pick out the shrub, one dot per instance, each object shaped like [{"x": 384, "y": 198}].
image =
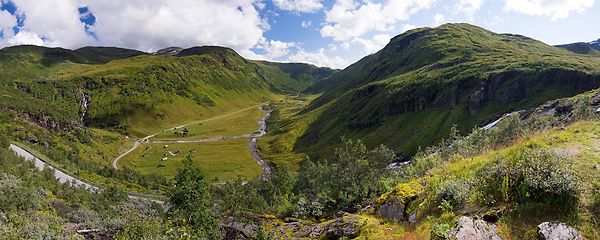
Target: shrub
[
  {"x": 531, "y": 176},
  {"x": 456, "y": 192},
  {"x": 305, "y": 209}
]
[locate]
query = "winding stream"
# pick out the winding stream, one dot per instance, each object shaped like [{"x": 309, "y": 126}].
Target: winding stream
[{"x": 267, "y": 172}]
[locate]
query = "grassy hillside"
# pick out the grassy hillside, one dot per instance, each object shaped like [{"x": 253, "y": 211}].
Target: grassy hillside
[
  {"x": 46, "y": 91},
  {"x": 411, "y": 92},
  {"x": 128, "y": 88}
]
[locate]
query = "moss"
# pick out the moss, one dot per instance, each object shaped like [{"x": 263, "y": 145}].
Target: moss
[{"x": 404, "y": 191}]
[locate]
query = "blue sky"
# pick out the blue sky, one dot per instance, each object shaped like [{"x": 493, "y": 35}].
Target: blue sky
[{"x": 331, "y": 33}]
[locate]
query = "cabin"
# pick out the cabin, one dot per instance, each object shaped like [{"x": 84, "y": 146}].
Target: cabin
[
  {"x": 164, "y": 159},
  {"x": 193, "y": 150},
  {"x": 146, "y": 155},
  {"x": 149, "y": 147},
  {"x": 166, "y": 146}
]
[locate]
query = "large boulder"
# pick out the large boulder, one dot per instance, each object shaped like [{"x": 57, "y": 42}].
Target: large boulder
[
  {"x": 394, "y": 204},
  {"x": 557, "y": 231},
  {"x": 392, "y": 210},
  {"x": 467, "y": 229}
]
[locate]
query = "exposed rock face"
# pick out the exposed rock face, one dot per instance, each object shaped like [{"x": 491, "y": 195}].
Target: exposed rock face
[
  {"x": 557, "y": 231},
  {"x": 43, "y": 121},
  {"x": 393, "y": 209},
  {"x": 467, "y": 229}
]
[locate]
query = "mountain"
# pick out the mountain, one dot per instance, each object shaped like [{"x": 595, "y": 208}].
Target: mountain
[
  {"x": 128, "y": 90},
  {"x": 410, "y": 93},
  {"x": 593, "y": 45}
]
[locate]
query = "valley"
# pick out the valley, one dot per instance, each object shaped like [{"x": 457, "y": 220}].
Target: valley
[{"x": 497, "y": 128}]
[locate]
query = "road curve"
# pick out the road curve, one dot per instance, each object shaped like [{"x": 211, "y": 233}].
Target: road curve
[
  {"x": 64, "y": 176},
  {"x": 137, "y": 142},
  {"x": 61, "y": 176}
]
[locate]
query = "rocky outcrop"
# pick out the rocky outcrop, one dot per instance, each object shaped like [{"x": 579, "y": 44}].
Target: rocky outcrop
[
  {"x": 467, "y": 229},
  {"x": 243, "y": 225},
  {"x": 45, "y": 122},
  {"x": 343, "y": 226},
  {"x": 394, "y": 205},
  {"x": 557, "y": 231}
]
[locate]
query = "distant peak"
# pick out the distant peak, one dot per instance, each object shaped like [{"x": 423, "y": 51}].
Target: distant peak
[{"x": 168, "y": 51}]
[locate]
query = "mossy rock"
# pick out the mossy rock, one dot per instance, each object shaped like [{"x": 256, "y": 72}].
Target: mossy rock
[{"x": 405, "y": 191}]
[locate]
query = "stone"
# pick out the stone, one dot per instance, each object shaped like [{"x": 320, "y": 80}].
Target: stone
[
  {"x": 557, "y": 231},
  {"x": 392, "y": 210},
  {"x": 467, "y": 229},
  {"x": 344, "y": 225}
]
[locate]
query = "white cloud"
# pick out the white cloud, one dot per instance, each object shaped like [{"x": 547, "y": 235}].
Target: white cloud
[
  {"x": 438, "y": 20},
  {"x": 57, "y": 21},
  {"x": 493, "y": 21},
  {"x": 345, "y": 45},
  {"x": 306, "y": 24},
  {"x": 406, "y": 27},
  {"x": 307, "y": 6},
  {"x": 348, "y": 19},
  {"x": 332, "y": 47},
  {"x": 375, "y": 44},
  {"x": 26, "y": 38},
  {"x": 146, "y": 25},
  {"x": 260, "y": 5},
  {"x": 7, "y": 21},
  {"x": 153, "y": 24},
  {"x": 468, "y": 7},
  {"x": 274, "y": 49},
  {"x": 555, "y": 9},
  {"x": 318, "y": 58}
]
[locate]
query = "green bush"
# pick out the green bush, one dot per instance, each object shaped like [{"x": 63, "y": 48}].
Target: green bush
[
  {"x": 306, "y": 209},
  {"x": 456, "y": 192},
  {"x": 536, "y": 176}
]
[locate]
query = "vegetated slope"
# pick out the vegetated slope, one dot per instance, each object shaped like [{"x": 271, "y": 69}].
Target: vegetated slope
[
  {"x": 162, "y": 90},
  {"x": 593, "y": 44},
  {"x": 582, "y": 48},
  {"x": 425, "y": 80},
  {"x": 130, "y": 88}
]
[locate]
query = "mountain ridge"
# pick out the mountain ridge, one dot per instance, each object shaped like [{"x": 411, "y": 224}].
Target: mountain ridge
[{"x": 451, "y": 67}]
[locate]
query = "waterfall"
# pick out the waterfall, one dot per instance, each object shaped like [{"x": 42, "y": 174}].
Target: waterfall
[{"x": 84, "y": 103}]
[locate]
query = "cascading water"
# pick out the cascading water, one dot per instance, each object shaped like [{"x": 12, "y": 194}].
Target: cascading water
[{"x": 84, "y": 103}]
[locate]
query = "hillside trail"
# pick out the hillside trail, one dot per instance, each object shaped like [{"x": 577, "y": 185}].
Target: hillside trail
[{"x": 251, "y": 143}]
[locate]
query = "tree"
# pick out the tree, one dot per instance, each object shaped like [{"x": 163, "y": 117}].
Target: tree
[{"x": 191, "y": 201}]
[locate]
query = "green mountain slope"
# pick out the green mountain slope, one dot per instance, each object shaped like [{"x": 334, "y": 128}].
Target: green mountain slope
[
  {"x": 412, "y": 91},
  {"x": 127, "y": 88}
]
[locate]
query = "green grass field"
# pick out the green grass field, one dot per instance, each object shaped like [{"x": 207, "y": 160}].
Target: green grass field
[
  {"x": 233, "y": 125},
  {"x": 224, "y": 159}
]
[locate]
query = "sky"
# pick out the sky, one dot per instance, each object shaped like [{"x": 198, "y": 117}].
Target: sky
[{"x": 326, "y": 33}]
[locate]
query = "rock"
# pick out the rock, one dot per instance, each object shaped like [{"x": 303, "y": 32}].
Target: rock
[
  {"x": 405, "y": 192},
  {"x": 392, "y": 205},
  {"x": 392, "y": 210},
  {"x": 344, "y": 226},
  {"x": 413, "y": 217},
  {"x": 469, "y": 230},
  {"x": 557, "y": 231}
]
